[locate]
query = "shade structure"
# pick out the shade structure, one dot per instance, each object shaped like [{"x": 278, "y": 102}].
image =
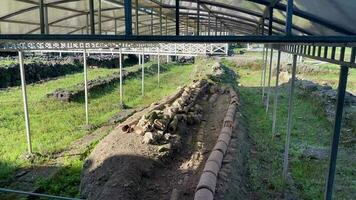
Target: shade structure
[{"x": 235, "y": 17}]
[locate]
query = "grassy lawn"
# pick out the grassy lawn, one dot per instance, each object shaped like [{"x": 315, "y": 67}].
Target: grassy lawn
[
  {"x": 55, "y": 125},
  {"x": 310, "y": 128}
]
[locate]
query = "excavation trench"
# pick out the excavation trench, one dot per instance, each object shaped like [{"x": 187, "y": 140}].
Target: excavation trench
[{"x": 127, "y": 165}]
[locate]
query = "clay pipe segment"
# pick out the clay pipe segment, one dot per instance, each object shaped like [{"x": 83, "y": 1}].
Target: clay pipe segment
[
  {"x": 208, "y": 181},
  {"x": 221, "y": 146},
  {"x": 216, "y": 156},
  {"x": 203, "y": 194},
  {"x": 225, "y": 138},
  {"x": 212, "y": 167}
]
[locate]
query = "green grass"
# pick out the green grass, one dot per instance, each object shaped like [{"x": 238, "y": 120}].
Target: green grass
[
  {"x": 310, "y": 128},
  {"x": 331, "y": 76},
  {"x": 54, "y": 124}
]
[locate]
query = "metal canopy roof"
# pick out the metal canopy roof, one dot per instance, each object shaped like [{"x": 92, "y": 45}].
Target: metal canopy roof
[{"x": 235, "y": 17}]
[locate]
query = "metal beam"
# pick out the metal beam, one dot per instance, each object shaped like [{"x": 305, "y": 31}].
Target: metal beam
[
  {"x": 128, "y": 17},
  {"x": 25, "y": 104},
  {"x": 327, "y": 40},
  {"x": 344, "y": 70},
  {"x": 136, "y": 18},
  {"x": 99, "y": 16},
  {"x": 177, "y": 17},
  {"x": 289, "y": 19},
  {"x": 289, "y": 122},
  {"x": 85, "y": 87},
  {"x": 91, "y": 16},
  {"x": 42, "y": 20},
  {"x": 270, "y": 21},
  {"x": 198, "y": 17},
  {"x": 276, "y": 95}
]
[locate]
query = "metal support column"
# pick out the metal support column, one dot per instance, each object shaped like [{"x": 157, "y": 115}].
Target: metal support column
[
  {"x": 159, "y": 69},
  {"x": 86, "y": 88},
  {"x": 121, "y": 92},
  {"x": 87, "y": 22},
  {"x": 99, "y": 16},
  {"x": 344, "y": 70},
  {"x": 151, "y": 22},
  {"x": 166, "y": 26},
  {"x": 177, "y": 17},
  {"x": 269, "y": 81},
  {"x": 187, "y": 26},
  {"x": 276, "y": 95},
  {"x": 136, "y": 17},
  {"x": 115, "y": 23},
  {"x": 128, "y": 17},
  {"x": 46, "y": 19},
  {"x": 25, "y": 104},
  {"x": 209, "y": 25},
  {"x": 42, "y": 20},
  {"x": 160, "y": 18},
  {"x": 270, "y": 21},
  {"x": 167, "y": 58},
  {"x": 92, "y": 19},
  {"x": 290, "y": 114},
  {"x": 216, "y": 26},
  {"x": 262, "y": 68},
  {"x": 264, "y": 74},
  {"x": 143, "y": 73},
  {"x": 198, "y": 17},
  {"x": 289, "y": 19}
]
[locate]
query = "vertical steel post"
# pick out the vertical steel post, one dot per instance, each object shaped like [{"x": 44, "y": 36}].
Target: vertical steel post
[
  {"x": 86, "y": 88},
  {"x": 263, "y": 63},
  {"x": 269, "y": 80},
  {"x": 270, "y": 21},
  {"x": 198, "y": 17},
  {"x": 209, "y": 25},
  {"x": 276, "y": 95},
  {"x": 290, "y": 114},
  {"x": 263, "y": 26},
  {"x": 46, "y": 19},
  {"x": 166, "y": 26},
  {"x": 115, "y": 24},
  {"x": 159, "y": 69},
  {"x": 167, "y": 58},
  {"x": 151, "y": 22},
  {"x": 160, "y": 17},
  {"x": 264, "y": 75},
  {"x": 187, "y": 26},
  {"x": 289, "y": 20},
  {"x": 42, "y": 20},
  {"x": 128, "y": 17},
  {"x": 344, "y": 70},
  {"x": 99, "y": 16},
  {"x": 143, "y": 73},
  {"x": 92, "y": 19},
  {"x": 87, "y": 22},
  {"x": 121, "y": 92},
  {"x": 25, "y": 104},
  {"x": 136, "y": 17},
  {"x": 177, "y": 17},
  {"x": 216, "y": 26}
]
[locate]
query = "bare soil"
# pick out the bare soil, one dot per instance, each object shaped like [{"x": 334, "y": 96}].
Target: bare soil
[{"x": 122, "y": 167}]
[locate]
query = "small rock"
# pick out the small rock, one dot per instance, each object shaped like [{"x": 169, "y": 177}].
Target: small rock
[{"x": 315, "y": 153}]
